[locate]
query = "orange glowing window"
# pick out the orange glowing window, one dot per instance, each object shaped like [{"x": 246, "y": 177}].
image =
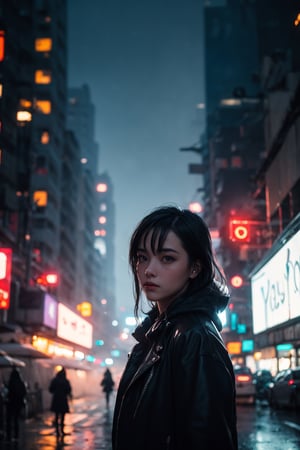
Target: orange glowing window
[
  {"x": 45, "y": 137},
  {"x": 1, "y": 89},
  {"x": 24, "y": 103},
  {"x": 43, "y": 106},
  {"x": 2, "y": 45},
  {"x": 43, "y": 77},
  {"x": 40, "y": 198},
  {"x": 43, "y": 44}
]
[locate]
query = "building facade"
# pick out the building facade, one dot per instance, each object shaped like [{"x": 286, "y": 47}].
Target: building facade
[
  {"x": 251, "y": 183},
  {"x": 48, "y": 197}
]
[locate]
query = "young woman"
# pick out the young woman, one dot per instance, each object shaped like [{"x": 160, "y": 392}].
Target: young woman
[{"x": 178, "y": 390}]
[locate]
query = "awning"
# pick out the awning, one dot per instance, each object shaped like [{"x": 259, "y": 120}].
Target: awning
[
  {"x": 22, "y": 350},
  {"x": 8, "y": 361},
  {"x": 68, "y": 363}
]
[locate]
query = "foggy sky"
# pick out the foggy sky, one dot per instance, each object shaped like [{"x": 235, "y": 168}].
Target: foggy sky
[{"x": 143, "y": 62}]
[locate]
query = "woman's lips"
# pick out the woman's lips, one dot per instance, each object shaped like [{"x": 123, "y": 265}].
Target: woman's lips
[{"x": 150, "y": 286}]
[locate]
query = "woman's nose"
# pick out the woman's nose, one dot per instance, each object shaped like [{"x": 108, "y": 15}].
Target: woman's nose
[{"x": 149, "y": 271}]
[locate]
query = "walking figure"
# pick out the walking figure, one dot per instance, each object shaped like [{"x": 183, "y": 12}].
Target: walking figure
[
  {"x": 61, "y": 391},
  {"x": 107, "y": 384},
  {"x": 15, "y": 402}
]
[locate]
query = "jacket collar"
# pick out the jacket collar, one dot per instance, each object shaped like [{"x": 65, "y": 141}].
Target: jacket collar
[{"x": 208, "y": 302}]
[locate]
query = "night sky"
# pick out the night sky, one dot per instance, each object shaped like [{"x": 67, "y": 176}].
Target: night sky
[{"x": 143, "y": 62}]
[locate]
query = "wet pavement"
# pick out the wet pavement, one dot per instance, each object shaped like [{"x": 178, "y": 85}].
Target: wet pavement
[{"x": 87, "y": 427}]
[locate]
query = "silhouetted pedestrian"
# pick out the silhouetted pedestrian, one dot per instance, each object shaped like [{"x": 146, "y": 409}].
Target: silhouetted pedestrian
[
  {"x": 15, "y": 403},
  {"x": 107, "y": 384},
  {"x": 61, "y": 391}
]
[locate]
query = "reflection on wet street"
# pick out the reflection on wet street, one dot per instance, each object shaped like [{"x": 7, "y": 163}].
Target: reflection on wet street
[
  {"x": 261, "y": 428},
  {"x": 88, "y": 427}
]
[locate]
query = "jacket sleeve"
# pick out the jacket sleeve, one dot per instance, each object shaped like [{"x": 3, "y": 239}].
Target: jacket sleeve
[{"x": 203, "y": 393}]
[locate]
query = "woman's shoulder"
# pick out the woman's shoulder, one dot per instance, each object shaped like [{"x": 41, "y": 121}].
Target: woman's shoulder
[{"x": 196, "y": 330}]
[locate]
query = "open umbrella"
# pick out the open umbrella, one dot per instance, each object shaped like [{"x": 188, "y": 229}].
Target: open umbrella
[
  {"x": 8, "y": 361},
  {"x": 22, "y": 350}
]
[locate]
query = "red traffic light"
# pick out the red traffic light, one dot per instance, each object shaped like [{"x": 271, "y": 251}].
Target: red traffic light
[
  {"x": 50, "y": 279},
  {"x": 239, "y": 230}
]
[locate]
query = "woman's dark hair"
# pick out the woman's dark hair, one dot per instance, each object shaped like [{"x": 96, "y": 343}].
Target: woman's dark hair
[{"x": 195, "y": 239}]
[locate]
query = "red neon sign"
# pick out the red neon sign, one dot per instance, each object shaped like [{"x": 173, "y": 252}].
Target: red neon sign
[
  {"x": 2, "y": 45},
  {"x": 239, "y": 230},
  {"x": 5, "y": 276}
]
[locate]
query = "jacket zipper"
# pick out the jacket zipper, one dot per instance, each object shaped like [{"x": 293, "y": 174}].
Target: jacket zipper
[
  {"x": 143, "y": 391},
  {"x": 154, "y": 359}
]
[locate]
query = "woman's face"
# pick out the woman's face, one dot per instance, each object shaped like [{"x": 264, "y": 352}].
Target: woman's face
[{"x": 165, "y": 274}]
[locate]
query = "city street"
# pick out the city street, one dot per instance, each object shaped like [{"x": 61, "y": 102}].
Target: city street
[
  {"x": 89, "y": 428},
  {"x": 262, "y": 428}
]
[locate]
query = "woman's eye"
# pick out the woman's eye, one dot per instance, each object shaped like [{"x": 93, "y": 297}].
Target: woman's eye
[
  {"x": 168, "y": 259},
  {"x": 141, "y": 258}
]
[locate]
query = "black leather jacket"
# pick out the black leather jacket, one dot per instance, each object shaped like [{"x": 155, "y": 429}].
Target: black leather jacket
[{"x": 178, "y": 389}]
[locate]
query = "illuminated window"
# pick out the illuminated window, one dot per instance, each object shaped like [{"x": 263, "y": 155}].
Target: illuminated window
[
  {"x": 40, "y": 198},
  {"x": 43, "y": 106},
  {"x": 102, "y": 220},
  {"x": 43, "y": 44},
  {"x": 1, "y": 89},
  {"x": 43, "y": 77},
  {"x": 24, "y": 116},
  {"x": 2, "y": 44},
  {"x": 100, "y": 245},
  {"x": 24, "y": 103},
  {"x": 101, "y": 187},
  {"x": 100, "y": 233},
  {"x": 45, "y": 137}
]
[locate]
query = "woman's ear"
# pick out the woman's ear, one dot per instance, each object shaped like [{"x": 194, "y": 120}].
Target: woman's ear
[{"x": 195, "y": 269}]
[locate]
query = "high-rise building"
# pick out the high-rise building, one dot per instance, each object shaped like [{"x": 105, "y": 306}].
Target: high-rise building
[
  {"x": 48, "y": 198},
  {"x": 81, "y": 120},
  {"x": 96, "y": 214},
  {"x": 251, "y": 67}
]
